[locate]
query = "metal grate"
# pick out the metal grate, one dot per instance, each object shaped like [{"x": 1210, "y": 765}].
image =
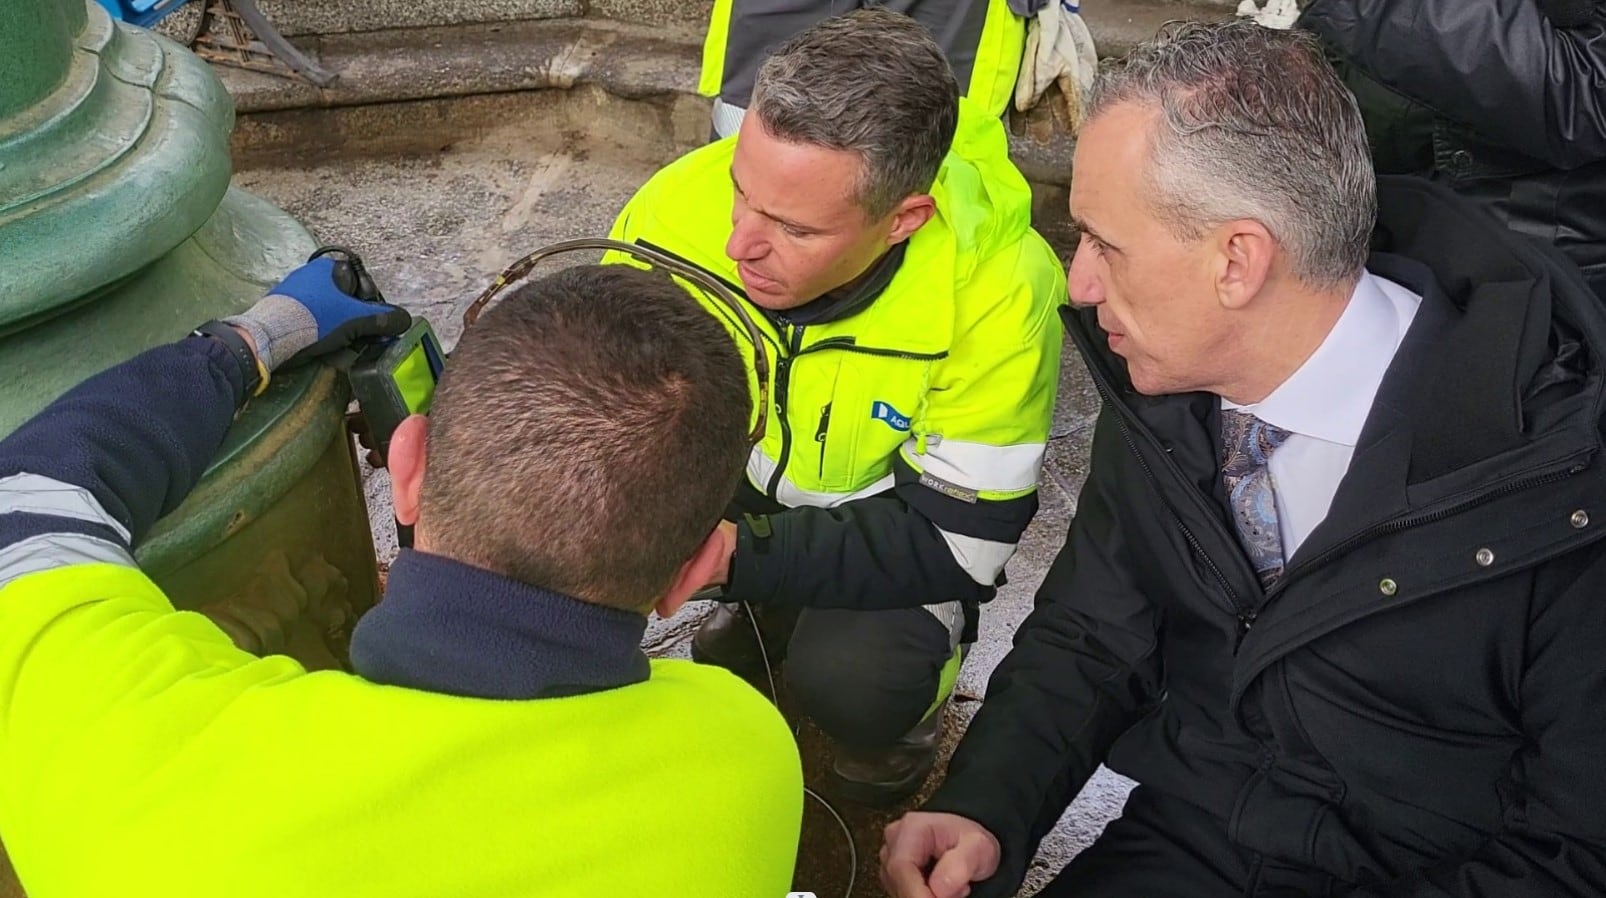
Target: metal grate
[{"x": 236, "y": 33}]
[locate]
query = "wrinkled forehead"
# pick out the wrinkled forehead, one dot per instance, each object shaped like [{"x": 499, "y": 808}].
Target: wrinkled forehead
[
  {"x": 1110, "y": 168},
  {"x": 796, "y": 180}
]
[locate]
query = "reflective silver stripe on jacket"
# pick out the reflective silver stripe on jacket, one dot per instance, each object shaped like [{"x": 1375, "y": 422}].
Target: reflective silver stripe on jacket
[
  {"x": 761, "y": 469},
  {"x": 727, "y": 117},
  {"x": 49, "y": 551},
  {"x": 952, "y": 617},
  {"x": 38, "y": 494},
  {"x": 982, "y": 559}
]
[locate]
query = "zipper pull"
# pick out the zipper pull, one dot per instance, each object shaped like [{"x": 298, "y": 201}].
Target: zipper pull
[
  {"x": 1246, "y": 622},
  {"x": 783, "y": 368},
  {"x": 819, "y": 434}
]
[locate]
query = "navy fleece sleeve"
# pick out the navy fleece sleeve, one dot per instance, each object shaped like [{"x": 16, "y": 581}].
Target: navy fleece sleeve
[
  {"x": 137, "y": 437},
  {"x": 881, "y": 552}
]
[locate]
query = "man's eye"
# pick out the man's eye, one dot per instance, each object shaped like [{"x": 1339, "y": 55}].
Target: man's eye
[
  {"x": 791, "y": 231},
  {"x": 1097, "y": 244}
]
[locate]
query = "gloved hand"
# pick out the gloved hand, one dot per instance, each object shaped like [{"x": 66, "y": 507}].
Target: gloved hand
[
  {"x": 307, "y": 315},
  {"x": 1059, "y": 50},
  {"x": 1279, "y": 14}
]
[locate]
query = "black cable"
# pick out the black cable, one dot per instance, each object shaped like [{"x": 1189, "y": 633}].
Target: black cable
[{"x": 775, "y": 699}]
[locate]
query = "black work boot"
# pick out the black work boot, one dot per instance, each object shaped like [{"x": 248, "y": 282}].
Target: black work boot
[
  {"x": 727, "y": 640},
  {"x": 885, "y": 776}
]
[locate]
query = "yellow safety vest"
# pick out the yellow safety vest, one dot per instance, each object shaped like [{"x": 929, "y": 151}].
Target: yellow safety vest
[
  {"x": 955, "y": 364},
  {"x": 146, "y": 756}
]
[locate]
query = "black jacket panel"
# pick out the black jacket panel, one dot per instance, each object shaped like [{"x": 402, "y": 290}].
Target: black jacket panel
[
  {"x": 1490, "y": 97},
  {"x": 1496, "y": 65},
  {"x": 1418, "y": 706}
]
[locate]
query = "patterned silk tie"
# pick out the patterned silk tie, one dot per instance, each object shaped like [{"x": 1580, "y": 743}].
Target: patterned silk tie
[{"x": 1247, "y": 445}]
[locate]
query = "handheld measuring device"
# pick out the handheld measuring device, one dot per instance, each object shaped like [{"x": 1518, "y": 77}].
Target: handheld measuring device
[
  {"x": 391, "y": 378},
  {"x": 394, "y": 378}
]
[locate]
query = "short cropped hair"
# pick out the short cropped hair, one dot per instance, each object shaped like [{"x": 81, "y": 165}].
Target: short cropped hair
[
  {"x": 586, "y": 436},
  {"x": 874, "y": 83},
  {"x": 1254, "y": 124}
]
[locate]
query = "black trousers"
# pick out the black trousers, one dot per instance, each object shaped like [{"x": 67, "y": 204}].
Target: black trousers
[
  {"x": 1145, "y": 854},
  {"x": 867, "y": 677},
  {"x": 1161, "y": 847}
]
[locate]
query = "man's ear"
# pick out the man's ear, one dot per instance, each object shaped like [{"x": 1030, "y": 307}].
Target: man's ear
[
  {"x": 910, "y": 215},
  {"x": 1245, "y": 255},
  {"x": 406, "y": 465},
  {"x": 706, "y": 565}
]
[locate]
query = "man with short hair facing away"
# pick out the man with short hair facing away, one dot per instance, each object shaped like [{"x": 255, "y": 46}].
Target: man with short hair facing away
[
  {"x": 1333, "y": 592},
  {"x": 503, "y": 734},
  {"x": 878, "y": 228}
]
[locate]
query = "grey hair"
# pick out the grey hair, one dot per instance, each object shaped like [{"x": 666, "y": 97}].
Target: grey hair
[
  {"x": 871, "y": 82},
  {"x": 1254, "y": 124}
]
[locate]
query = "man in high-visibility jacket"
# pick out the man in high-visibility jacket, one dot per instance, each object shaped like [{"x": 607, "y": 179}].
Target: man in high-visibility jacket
[
  {"x": 909, "y": 310},
  {"x": 503, "y": 734},
  {"x": 982, "y": 39}
]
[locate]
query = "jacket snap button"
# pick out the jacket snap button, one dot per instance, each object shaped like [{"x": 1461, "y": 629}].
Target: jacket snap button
[
  {"x": 1388, "y": 587},
  {"x": 1484, "y": 558},
  {"x": 1580, "y": 519}
]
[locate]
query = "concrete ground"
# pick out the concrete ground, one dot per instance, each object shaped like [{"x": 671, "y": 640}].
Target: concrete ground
[{"x": 439, "y": 195}]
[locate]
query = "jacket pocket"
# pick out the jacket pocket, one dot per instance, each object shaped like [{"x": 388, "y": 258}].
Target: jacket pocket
[{"x": 873, "y": 410}]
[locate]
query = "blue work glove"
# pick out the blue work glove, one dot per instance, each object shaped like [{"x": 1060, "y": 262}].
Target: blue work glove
[{"x": 306, "y": 316}]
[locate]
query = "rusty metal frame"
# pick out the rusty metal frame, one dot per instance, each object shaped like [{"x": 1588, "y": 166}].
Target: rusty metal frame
[{"x": 244, "y": 38}]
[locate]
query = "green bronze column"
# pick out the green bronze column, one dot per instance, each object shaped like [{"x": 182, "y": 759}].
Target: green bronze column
[
  {"x": 35, "y": 51},
  {"x": 118, "y": 232}
]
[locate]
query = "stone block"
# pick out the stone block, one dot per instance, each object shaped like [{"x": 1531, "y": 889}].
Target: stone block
[
  {"x": 689, "y": 14},
  {"x": 302, "y": 17}
]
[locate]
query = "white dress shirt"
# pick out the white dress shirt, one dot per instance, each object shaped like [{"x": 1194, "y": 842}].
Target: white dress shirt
[{"x": 1324, "y": 404}]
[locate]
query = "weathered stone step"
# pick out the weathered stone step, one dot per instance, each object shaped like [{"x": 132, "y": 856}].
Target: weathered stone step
[
  {"x": 306, "y": 17},
  {"x": 626, "y": 57},
  {"x": 629, "y": 61}
]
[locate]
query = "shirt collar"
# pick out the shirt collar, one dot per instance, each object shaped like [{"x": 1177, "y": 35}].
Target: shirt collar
[
  {"x": 851, "y": 298},
  {"x": 1331, "y": 394},
  {"x": 448, "y": 627}
]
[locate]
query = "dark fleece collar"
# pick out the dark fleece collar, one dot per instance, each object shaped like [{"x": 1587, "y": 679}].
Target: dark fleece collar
[
  {"x": 851, "y": 298},
  {"x": 452, "y": 628}
]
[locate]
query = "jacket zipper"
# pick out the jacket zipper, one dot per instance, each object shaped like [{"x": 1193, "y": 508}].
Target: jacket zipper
[
  {"x": 851, "y": 344},
  {"x": 1247, "y": 614},
  {"x": 783, "y": 379},
  {"x": 1430, "y": 517},
  {"x": 783, "y": 368},
  {"x": 1243, "y": 612},
  {"x": 819, "y": 435}
]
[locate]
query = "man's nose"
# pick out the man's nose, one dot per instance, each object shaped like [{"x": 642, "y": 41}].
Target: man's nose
[
  {"x": 1082, "y": 279},
  {"x": 747, "y": 243}
]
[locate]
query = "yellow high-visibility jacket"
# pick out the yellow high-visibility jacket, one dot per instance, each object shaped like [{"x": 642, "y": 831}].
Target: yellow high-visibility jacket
[{"x": 145, "y": 755}]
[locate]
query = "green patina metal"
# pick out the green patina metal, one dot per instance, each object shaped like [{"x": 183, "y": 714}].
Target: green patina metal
[
  {"x": 118, "y": 232},
  {"x": 36, "y": 44}
]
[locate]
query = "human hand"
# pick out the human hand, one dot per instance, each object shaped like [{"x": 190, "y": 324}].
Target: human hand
[
  {"x": 307, "y": 315},
  {"x": 957, "y": 850}
]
